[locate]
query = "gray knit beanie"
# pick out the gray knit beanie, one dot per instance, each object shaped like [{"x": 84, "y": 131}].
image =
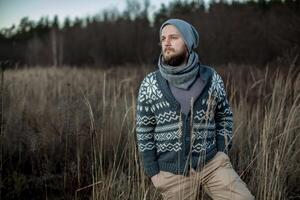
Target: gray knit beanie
[{"x": 188, "y": 32}]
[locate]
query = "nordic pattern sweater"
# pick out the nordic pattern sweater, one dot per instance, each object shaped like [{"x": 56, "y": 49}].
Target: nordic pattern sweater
[{"x": 172, "y": 141}]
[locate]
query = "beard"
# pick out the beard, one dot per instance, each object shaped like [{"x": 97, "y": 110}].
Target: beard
[{"x": 175, "y": 59}]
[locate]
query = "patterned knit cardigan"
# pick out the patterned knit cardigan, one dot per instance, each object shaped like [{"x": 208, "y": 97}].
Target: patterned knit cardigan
[{"x": 172, "y": 141}]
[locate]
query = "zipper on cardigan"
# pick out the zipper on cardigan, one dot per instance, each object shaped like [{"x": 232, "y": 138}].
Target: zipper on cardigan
[
  {"x": 180, "y": 138},
  {"x": 191, "y": 130}
]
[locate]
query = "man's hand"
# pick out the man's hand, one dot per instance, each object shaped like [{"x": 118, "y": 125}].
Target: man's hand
[{"x": 154, "y": 179}]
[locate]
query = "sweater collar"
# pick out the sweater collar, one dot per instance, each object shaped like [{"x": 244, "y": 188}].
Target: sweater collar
[{"x": 205, "y": 74}]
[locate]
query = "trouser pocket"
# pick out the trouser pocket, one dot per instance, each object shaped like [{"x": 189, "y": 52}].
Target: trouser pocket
[
  {"x": 175, "y": 187},
  {"x": 164, "y": 180}
]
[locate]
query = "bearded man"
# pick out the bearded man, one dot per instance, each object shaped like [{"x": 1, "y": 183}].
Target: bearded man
[{"x": 184, "y": 122}]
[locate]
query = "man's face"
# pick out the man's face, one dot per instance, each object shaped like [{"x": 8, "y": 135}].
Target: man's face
[{"x": 173, "y": 47}]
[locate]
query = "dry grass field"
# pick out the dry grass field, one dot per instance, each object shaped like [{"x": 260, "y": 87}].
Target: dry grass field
[{"x": 69, "y": 133}]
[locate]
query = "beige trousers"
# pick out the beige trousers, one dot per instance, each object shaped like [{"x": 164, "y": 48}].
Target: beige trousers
[{"x": 217, "y": 178}]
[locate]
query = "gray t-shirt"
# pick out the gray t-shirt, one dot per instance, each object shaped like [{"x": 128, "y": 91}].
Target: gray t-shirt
[{"x": 184, "y": 96}]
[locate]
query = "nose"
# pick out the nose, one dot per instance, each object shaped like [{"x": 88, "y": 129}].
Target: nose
[{"x": 168, "y": 42}]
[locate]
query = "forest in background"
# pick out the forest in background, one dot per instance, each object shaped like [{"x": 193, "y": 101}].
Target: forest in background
[{"x": 250, "y": 32}]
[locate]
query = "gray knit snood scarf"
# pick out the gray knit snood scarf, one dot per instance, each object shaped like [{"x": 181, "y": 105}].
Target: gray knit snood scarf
[{"x": 182, "y": 76}]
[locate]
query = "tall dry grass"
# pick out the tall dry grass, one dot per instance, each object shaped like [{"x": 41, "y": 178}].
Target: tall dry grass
[{"x": 70, "y": 133}]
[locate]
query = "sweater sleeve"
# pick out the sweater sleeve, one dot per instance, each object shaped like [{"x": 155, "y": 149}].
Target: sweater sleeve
[
  {"x": 223, "y": 119},
  {"x": 145, "y": 125}
]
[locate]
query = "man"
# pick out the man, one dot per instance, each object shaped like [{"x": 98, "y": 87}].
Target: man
[{"x": 184, "y": 122}]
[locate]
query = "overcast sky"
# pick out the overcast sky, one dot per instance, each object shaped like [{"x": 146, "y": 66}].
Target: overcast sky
[{"x": 11, "y": 11}]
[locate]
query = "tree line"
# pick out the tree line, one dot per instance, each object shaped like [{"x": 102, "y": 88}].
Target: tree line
[{"x": 249, "y": 32}]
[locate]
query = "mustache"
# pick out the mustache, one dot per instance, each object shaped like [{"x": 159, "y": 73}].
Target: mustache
[{"x": 169, "y": 49}]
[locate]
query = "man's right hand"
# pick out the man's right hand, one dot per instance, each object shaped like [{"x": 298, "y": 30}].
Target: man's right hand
[{"x": 154, "y": 179}]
